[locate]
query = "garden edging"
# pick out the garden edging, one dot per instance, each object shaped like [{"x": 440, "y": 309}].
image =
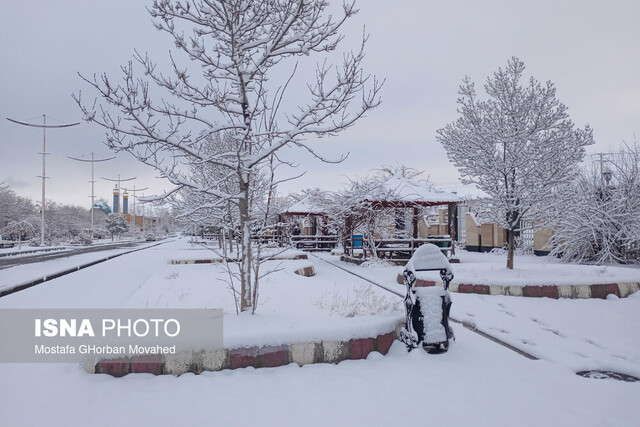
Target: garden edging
[
  {"x": 300, "y": 353},
  {"x": 621, "y": 290}
]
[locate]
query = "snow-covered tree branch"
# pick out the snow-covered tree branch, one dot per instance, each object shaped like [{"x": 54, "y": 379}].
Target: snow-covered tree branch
[{"x": 228, "y": 112}]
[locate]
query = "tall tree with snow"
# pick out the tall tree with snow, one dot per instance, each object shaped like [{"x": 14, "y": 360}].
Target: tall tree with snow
[
  {"x": 19, "y": 230},
  {"x": 245, "y": 54},
  {"x": 518, "y": 146},
  {"x": 14, "y": 207}
]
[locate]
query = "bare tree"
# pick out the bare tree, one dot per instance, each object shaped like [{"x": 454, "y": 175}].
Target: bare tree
[
  {"x": 241, "y": 49},
  {"x": 519, "y": 146}
]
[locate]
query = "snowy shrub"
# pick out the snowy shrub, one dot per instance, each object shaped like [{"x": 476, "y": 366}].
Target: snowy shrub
[
  {"x": 19, "y": 230},
  {"x": 116, "y": 224},
  {"x": 377, "y": 262},
  {"x": 82, "y": 239},
  {"x": 172, "y": 275},
  {"x": 601, "y": 223},
  {"x": 362, "y": 301}
]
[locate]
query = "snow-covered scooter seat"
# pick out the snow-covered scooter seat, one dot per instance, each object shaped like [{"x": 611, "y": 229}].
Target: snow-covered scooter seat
[{"x": 427, "y": 308}]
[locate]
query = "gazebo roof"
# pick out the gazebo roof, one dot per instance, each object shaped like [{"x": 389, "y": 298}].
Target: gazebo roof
[
  {"x": 304, "y": 206},
  {"x": 399, "y": 191}
]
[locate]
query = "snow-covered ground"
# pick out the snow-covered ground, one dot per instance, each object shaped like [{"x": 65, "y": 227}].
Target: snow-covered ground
[
  {"x": 478, "y": 268},
  {"x": 291, "y": 308},
  {"x": 579, "y": 334},
  {"x": 487, "y": 268},
  {"x": 476, "y": 383},
  {"x": 209, "y": 252}
]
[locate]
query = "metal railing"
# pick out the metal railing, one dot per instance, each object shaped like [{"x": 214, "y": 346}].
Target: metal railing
[
  {"x": 403, "y": 249},
  {"x": 315, "y": 243}
]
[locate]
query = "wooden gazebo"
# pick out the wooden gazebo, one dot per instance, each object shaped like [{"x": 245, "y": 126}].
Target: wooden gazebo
[
  {"x": 310, "y": 220},
  {"x": 400, "y": 192}
]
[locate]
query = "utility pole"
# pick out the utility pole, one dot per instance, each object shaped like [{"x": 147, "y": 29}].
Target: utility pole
[
  {"x": 44, "y": 176},
  {"x": 601, "y": 160},
  {"x": 93, "y": 160}
]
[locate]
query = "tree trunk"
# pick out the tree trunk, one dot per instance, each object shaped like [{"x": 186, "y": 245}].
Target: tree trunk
[
  {"x": 511, "y": 248},
  {"x": 245, "y": 246},
  {"x": 347, "y": 236}
]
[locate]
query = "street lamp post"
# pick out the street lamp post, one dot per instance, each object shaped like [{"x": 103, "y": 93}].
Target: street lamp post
[
  {"x": 92, "y": 161},
  {"x": 44, "y": 176},
  {"x": 134, "y": 202}
]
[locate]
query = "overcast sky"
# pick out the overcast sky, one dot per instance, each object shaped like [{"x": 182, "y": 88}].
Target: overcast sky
[{"x": 422, "y": 48}]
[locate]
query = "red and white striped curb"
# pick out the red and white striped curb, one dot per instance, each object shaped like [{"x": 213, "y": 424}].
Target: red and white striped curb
[
  {"x": 307, "y": 271},
  {"x": 621, "y": 290},
  {"x": 258, "y": 357}
]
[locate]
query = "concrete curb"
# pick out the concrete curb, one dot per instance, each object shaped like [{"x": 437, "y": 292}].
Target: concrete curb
[
  {"x": 621, "y": 290},
  {"x": 351, "y": 260},
  {"x": 217, "y": 260},
  {"x": 301, "y": 353}
]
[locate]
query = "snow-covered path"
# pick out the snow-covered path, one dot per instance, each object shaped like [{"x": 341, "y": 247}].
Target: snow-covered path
[
  {"x": 591, "y": 334},
  {"x": 475, "y": 383},
  {"x": 580, "y": 334}
]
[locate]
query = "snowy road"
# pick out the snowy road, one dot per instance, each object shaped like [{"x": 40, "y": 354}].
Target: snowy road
[
  {"x": 105, "y": 285},
  {"x": 11, "y": 261}
]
